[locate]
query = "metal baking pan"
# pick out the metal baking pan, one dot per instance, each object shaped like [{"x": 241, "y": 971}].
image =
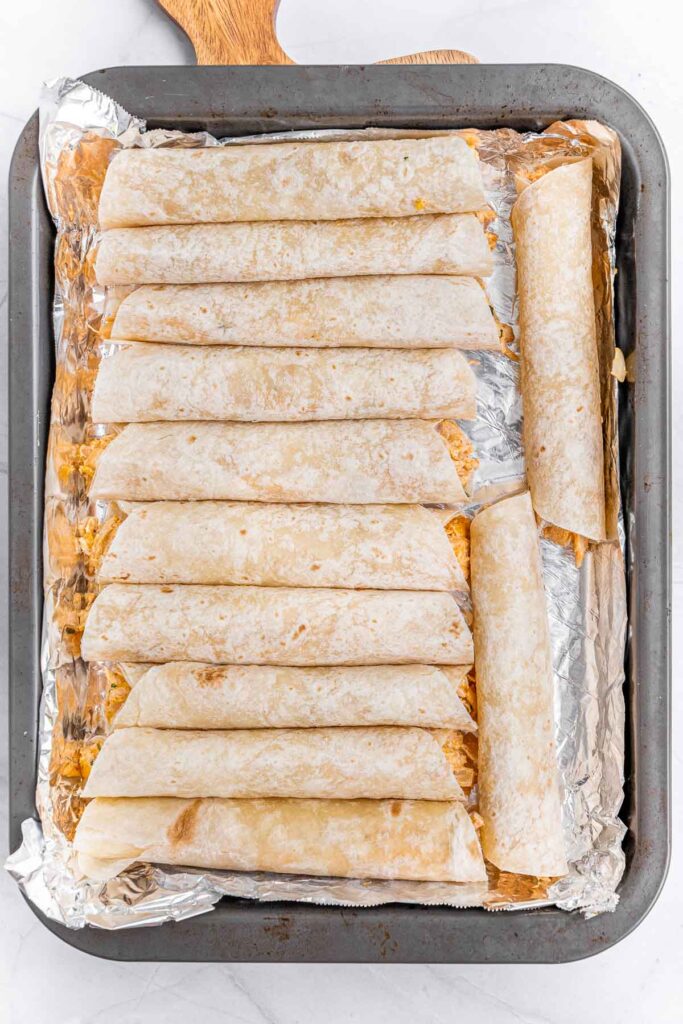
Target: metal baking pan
[{"x": 244, "y": 100}]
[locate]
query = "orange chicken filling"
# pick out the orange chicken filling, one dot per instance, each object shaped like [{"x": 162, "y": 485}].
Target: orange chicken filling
[
  {"x": 458, "y": 533},
  {"x": 565, "y": 538},
  {"x": 460, "y": 752},
  {"x": 460, "y": 450},
  {"x": 88, "y": 454},
  {"x": 95, "y": 537}
]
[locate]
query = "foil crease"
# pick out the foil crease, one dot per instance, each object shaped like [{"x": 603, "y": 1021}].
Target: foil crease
[{"x": 80, "y": 130}]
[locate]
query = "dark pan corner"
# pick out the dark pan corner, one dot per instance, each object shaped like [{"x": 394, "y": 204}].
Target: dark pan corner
[{"x": 245, "y": 100}]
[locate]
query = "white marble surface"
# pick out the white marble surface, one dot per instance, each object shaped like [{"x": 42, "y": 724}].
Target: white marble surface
[{"x": 41, "y": 979}]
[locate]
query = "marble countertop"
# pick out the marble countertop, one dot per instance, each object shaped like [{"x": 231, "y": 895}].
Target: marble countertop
[{"x": 42, "y": 979}]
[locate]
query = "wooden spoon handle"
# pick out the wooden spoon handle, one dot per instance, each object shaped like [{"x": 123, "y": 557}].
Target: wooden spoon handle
[{"x": 243, "y": 32}]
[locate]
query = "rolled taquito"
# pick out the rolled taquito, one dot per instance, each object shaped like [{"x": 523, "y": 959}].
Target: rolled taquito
[
  {"x": 519, "y": 795},
  {"x": 275, "y": 626},
  {"x": 139, "y": 382},
  {"x": 369, "y": 461},
  {"x": 193, "y": 695},
  {"x": 133, "y": 671},
  {"x": 384, "y": 547},
  {"x": 377, "y": 763},
  {"x": 560, "y": 374},
  {"x": 295, "y": 250},
  {"x": 291, "y": 181},
  {"x": 419, "y": 840},
  {"x": 409, "y": 311}
]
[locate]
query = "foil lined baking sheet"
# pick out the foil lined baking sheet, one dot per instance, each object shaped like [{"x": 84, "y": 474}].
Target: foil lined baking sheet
[{"x": 80, "y": 130}]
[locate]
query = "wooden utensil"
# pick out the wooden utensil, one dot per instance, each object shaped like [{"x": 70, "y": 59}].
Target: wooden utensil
[{"x": 243, "y": 32}]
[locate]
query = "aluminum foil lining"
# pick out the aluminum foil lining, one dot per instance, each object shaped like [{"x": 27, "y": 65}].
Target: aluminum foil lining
[{"x": 80, "y": 130}]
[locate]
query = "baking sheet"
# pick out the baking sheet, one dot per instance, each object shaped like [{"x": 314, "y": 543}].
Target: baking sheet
[{"x": 81, "y": 129}]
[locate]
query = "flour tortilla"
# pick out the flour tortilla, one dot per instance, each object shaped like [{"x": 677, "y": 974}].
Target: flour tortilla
[
  {"x": 386, "y": 547},
  {"x": 193, "y": 695},
  {"x": 373, "y": 763},
  {"x": 519, "y": 796},
  {"x": 133, "y": 671},
  {"x": 423, "y": 840},
  {"x": 291, "y": 181},
  {"x": 364, "y": 462},
  {"x": 296, "y": 250},
  {"x": 139, "y": 382},
  {"x": 409, "y": 311},
  {"x": 560, "y": 372},
  {"x": 275, "y": 626}
]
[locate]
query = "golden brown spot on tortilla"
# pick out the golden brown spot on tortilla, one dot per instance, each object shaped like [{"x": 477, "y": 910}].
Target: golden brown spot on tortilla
[
  {"x": 298, "y": 631},
  {"x": 209, "y": 676},
  {"x": 183, "y": 827},
  {"x": 458, "y": 533},
  {"x": 192, "y": 438},
  {"x": 460, "y": 450},
  {"x": 395, "y": 808},
  {"x": 243, "y": 533},
  {"x": 419, "y": 204},
  {"x": 167, "y": 590}
]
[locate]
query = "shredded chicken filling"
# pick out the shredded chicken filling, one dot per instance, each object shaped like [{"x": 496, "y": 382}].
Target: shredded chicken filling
[
  {"x": 458, "y": 533},
  {"x": 467, "y": 692},
  {"x": 87, "y": 456},
  {"x": 70, "y": 613},
  {"x": 460, "y": 450},
  {"x": 460, "y": 751},
  {"x": 95, "y": 537}
]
